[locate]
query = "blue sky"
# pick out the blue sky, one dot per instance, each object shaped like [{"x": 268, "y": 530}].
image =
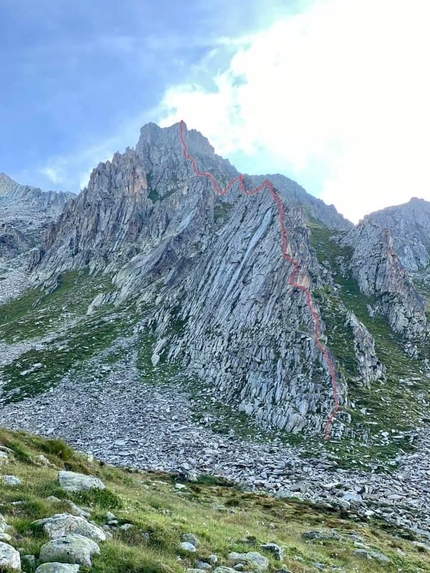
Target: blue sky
[{"x": 333, "y": 93}]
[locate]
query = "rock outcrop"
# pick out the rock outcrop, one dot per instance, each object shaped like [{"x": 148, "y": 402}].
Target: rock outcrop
[
  {"x": 409, "y": 225},
  {"x": 380, "y": 275},
  {"x": 25, "y": 214}
]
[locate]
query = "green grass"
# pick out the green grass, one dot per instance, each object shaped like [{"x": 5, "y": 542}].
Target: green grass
[
  {"x": 39, "y": 369},
  {"x": 33, "y": 314},
  {"x": 221, "y": 515}
]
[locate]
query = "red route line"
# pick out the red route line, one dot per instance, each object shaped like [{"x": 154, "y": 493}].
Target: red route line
[{"x": 269, "y": 185}]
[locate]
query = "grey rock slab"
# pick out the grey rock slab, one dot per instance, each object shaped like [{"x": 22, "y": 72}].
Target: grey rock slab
[
  {"x": 253, "y": 559},
  {"x": 58, "y": 568},
  {"x": 190, "y": 538},
  {"x": 362, "y": 554},
  {"x": 320, "y": 535},
  {"x": 274, "y": 549},
  {"x": 77, "y": 510},
  {"x": 223, "y": 569},
  {"x": 72, "y": 548},
  {"x": 186, "y": 546},
  {"x": 62, "y": 524},
  {"x": 11, "y": 480},
  {"x": 72, "y": 481},
  {"x": 3, "y": 525},
  {"x": 9, "y": 557}
]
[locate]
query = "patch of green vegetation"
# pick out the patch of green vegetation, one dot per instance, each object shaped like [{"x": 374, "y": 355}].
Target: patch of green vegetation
[
  {"x": 34, "y": 314},
  {"x": 222, "y": 516},
  {"x": 222, "y": 211},
  {"x": 39, "y": 369},
  {"x": 154, "y": 195}
]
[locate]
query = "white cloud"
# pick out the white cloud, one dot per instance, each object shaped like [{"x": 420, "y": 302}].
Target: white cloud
[
  {"x": 339, "y": 91},
  {"x": 51, "y": 173}
]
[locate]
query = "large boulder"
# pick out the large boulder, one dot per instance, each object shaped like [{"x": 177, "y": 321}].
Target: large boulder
[
  {"x": 9, "y": 558},
  {"x": 72, "y": 548},
  {"x": 62, "y": 524},
  {"x": 58, "y": 568},
  {"x": 252, "y": 559},
  {"x": 72, "y": 481}
]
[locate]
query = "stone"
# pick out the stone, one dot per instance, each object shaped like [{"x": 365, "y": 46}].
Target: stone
[
  {"x": 223, "y": 569},
  {"x": 11, "y": 480},
  {"x": 273, "y": 548},
  {"x": 9, "y": 557},
  {"x": 320, "y": 535},
  {"x": 186, "y": 546},
  {"x": 76, "y": 510},
  {"x": 72, "y": 548},
  {"x": 62, "y": 524},
  {"x": 351, "y": 496},
  {"x": 5, "y": 537},
  {"x": 58, "y": 568},
  {"x": 126, "y": 526},
  {"x": 379, "y": 556},
  {"x": 73, "y": 482},
  {"x": 362, "y": 554},
  {"x": 190, "y": 538},
  {"x": 213, "y": 559},
  {"x": 3, "y": 525},
  {"x": 253, "y": 559}
]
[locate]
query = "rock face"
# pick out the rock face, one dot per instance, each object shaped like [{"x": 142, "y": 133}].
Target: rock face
[
  {"x": 25, "y": 213},
  {"x": 380, "y": 274},
  {"x": 409, "y": 225}
]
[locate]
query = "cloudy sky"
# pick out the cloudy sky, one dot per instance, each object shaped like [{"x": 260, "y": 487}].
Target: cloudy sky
[{"x": 333, "y": 93}]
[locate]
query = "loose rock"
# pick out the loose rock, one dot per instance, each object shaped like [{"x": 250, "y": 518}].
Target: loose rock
[
  {"x": 9, "y": 557},
  {"x": 71, "y": 481},
  {"x": 72, "y": 548},
  {"x": 62, "y": 524}
]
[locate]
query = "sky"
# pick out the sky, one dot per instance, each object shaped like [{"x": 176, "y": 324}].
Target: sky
[{"x": 335, "y": 94}]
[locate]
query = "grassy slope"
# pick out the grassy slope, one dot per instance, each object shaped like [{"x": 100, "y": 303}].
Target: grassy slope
[
  {"x": 73, "y": 337},
  {"x": 219, "y": 514}
]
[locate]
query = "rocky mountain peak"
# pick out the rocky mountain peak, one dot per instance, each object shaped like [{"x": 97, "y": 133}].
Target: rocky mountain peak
[
  {"x": 208, "y": 275},
  {"x": 409, "y": 224},
  {"x": 6, "y": 184}
]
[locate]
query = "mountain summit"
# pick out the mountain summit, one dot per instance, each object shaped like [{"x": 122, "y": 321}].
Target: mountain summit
[{"x": 212, "y": 295}]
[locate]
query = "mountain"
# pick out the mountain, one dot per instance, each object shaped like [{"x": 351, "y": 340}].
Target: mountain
[
  {"x": 153, "y": 271},
  {"x": 25, "y": 214}
]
